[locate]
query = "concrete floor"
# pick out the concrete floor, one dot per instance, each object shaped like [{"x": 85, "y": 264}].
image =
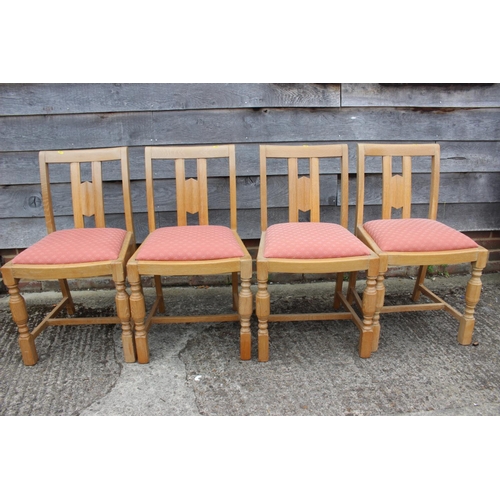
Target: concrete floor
[{"x": 314, "y": 369}]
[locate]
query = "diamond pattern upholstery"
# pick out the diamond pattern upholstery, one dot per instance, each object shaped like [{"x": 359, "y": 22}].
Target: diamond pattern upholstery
[
  {"x": 416, "y": 235},
  {"x": 188, "y": 243},
  {"x": 74, "y": 246},
  {"x": 312, "y": 240}
]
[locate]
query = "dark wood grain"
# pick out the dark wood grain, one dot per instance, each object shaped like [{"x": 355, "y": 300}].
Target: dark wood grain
[
  {"x": 245, "y": 126},
  {"x": 421, "y": 95},
  {"x": 70, "y": 98},
  {"x": 480, "y": 156}
]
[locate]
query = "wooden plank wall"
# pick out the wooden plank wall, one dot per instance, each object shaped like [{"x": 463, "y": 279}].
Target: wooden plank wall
[{"x": 464, "y": 119}]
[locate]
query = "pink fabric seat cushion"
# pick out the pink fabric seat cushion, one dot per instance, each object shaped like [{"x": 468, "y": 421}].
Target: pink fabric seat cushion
[
  {"x": 74, "y": 246},
  {"x": 311, "y": 240},
  {"x": 181, "y": 243},
  {"x": 416, "y": 235}
]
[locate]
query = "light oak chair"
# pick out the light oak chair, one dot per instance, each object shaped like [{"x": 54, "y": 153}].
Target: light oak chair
[
  {"x": 312, "y": 246},
  {"x": 76, "y": 253},
  {"x": 408, "y": 241},
  {"x": 190, "y": 249}
]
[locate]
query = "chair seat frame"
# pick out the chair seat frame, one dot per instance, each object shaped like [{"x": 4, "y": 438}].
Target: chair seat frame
[
  {"x": 338, "y": 266},
  {"x": 240, "y": 268},
  {"x": 13, "y": 273},
  {"x": 477, "y": 256}
]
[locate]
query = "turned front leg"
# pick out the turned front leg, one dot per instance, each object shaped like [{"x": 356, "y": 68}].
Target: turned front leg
[
  {"x": 245, "y": 307},
  {"x": 472, "y": 295},
  {"x": 369, "y": 306},
  {"x": 20, "y": 317},
  {"x": 263, "y": 307},
  {"x": 123, "y": 311},
  {"x": 380, "y": 291},
  {"x": 138, "y": 310}
]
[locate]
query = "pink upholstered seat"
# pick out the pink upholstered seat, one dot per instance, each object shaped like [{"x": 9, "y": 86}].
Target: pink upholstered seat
[
  {"x": 74, "y": 246},
  {"x": 190, "y": 243},
  {"x": 312, "y": 240},
  {"x": 416, "y": 235}
]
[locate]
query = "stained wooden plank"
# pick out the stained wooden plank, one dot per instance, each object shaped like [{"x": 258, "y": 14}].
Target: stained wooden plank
[
  {"x": 26, "y": 201},
  {"x": 481, "y": 156},
  {"x": 70, "y": 98},
  {"x": 464, "y": 188},
  {"x": 246, "y": 126},
  {"x": 462, "y": 217},
  {"x": 20, "y": 233},
  {"x": 448, "y": 95}
]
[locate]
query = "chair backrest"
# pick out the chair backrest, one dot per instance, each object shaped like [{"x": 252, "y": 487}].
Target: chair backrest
[
  {"x": 87, "y": 197},
  {"x": 304, "y": 190},
  {"x": 397, "y": 188},
  {"x": 191, "y": 193}
]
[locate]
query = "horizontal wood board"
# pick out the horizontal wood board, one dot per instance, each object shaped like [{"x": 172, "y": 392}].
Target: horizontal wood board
[
  {"x": 71, "y": 98},
  {"x": 17, "y": 168},
  {"x": 464, "y": 119},
  {"x": 33, "y": 133}
]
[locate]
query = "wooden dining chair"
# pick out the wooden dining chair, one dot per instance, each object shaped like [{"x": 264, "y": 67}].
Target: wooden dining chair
[
  {"x": 415, "y": 241},
  {"x": 311, "y": 246},
  {"x": 79, "y": 252},
  {"x": 192, "y": 247}
]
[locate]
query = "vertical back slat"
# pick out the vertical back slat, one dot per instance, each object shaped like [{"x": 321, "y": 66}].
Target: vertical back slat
[
  {"x": 386, "y": 187},
  {"x": 98, "y": 194},
  {"x": 344, "y": 186},
  {"x": 293, "y": 203},
  {"x": 201, "y": 164},
  {"x": 314, "y": 197},
  {"x": 263, "y": 188},
  {"x": 434, "y": 195},
  {"x": 46, "y": 193},
  {"x": 406, "y": 214},
  {"x": 150, "y": 193},
  {"x": 76, "y": 194},
  {"x": 180, "y": 181},
  {"x": 233, "y": 204},
  {"x": 127, "y": 197},
  {"x": 360, "y": 185}
]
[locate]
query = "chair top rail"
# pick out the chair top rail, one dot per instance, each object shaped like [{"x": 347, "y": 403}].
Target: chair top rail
[
  {"x": 190, "y": 152},
  {"x": 82, "y": 155},
  {"x": 399, "y": 149}
]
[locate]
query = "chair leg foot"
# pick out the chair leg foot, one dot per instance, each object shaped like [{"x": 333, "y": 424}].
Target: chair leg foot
[
  {"x": 70, "y": 306},
  {"x": 472, "y": 295},
  {"x": 159, "y": 294},
  {"x": 123, "y": 311},
  {"x": 245, "y": 311},
  {"x": 369, "y": 305},
  {"x": 138, "y": 313},
  {"x": 338, "y": 290},
  {"x": 142, "y": 347},
  {"x": 352, "y": 286},
  {"x": 262, "y": 307},
  {"x": 422, "y": 272},
  {"x": 20, "y": 317},
  {"x": 380, "y": 290},
  {"x": 28, "y": 350}
]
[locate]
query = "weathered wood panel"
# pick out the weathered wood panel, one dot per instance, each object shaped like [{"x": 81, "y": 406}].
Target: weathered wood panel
[
  {"x": 20, "y": 233},
  {"x": 22, "y": 133},
  {"x": 25, "y": 201},
  {"x": 71, "y": 98},
  {"x": 447, "y": 95},
  {"x": 464, "y": 120},
  {"x": 21, "y": 167}
]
